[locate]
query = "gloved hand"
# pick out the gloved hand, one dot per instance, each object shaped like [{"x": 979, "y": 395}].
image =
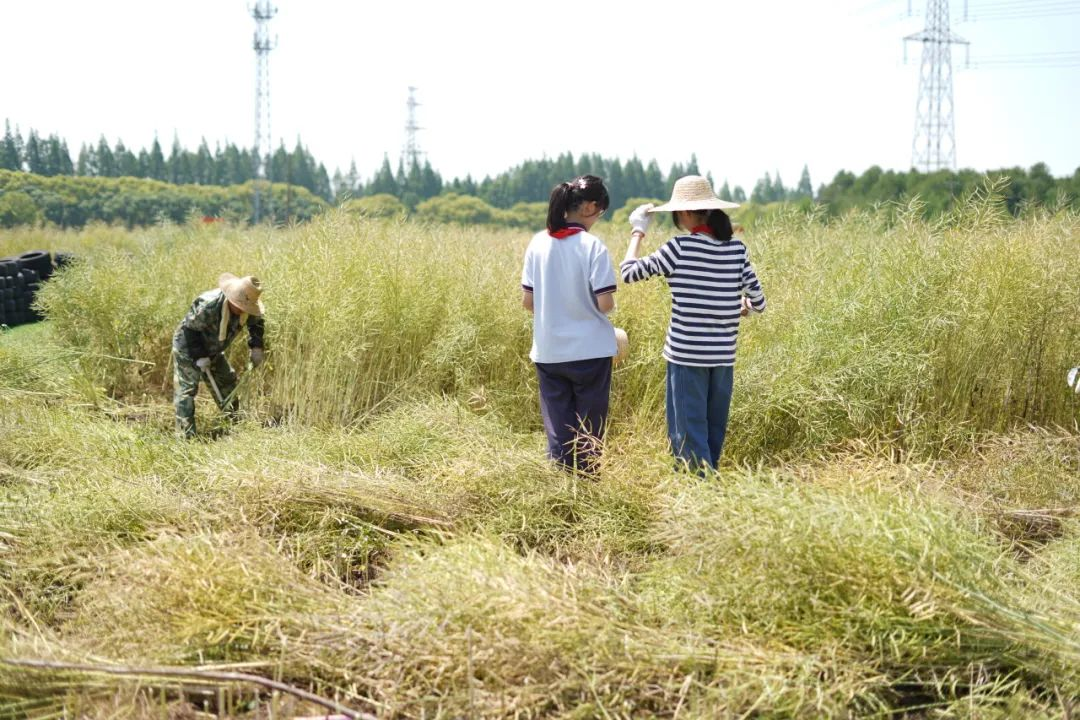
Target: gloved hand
[
  {"x": 203, "y": 364},
  {"x": 640, "y": 219},
  {"x": 256, "y": 357}
]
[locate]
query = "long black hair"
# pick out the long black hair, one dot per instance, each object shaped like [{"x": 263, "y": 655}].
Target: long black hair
[
  {"x": 718, "y": 221},
  {"x": 567, "y": 196}
]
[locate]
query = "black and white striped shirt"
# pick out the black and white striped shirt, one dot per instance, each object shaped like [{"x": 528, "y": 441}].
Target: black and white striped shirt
[{"x": 708, "y": 279}]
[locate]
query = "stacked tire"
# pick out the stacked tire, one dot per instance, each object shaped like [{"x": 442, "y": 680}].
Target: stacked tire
[{"x": 20, "y": 278}]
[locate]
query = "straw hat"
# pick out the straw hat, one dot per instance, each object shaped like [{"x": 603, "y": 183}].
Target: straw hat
[
  {"x": 242, "y": 292},
  {"x": 694, "y": 192}
]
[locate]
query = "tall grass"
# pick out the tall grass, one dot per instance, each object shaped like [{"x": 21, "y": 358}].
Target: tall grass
[{"x": 882, "y": 327}]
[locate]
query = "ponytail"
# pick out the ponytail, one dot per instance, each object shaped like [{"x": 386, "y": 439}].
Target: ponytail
[
  {"x": 567, "y": 196},
  {"x": 720, "y": 225},
  {"x": 558, "y": 206}
]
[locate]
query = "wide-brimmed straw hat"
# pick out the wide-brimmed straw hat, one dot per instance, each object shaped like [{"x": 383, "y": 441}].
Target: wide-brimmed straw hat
[
  {"x": 242, "y": 292},
  {"x": 694, "y": 192}
]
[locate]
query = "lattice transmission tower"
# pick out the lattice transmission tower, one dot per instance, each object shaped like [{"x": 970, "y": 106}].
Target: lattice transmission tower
[
  {"x": 934, "y": 146},
  {"x": 263, "y": 12},
  {"x": 410, "y": 153}
]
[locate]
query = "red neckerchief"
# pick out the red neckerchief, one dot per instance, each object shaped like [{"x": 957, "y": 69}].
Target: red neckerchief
[
  {"x": 703, "y": 229},
  {"x": 570, "y": 229}
]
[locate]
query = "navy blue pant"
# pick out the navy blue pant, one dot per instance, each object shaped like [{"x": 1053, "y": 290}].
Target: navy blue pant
[
  {"x": 574, "y": 404},
  {"x": 698, "y": 400}
]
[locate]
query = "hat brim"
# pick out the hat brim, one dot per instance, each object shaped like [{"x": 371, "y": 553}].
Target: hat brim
[
  {"x": 716, "y": 204},
  {"x": 225, "y": 283}
]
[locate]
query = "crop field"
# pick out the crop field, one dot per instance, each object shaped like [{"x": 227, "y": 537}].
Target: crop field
[{"x": 893, "y": 532}]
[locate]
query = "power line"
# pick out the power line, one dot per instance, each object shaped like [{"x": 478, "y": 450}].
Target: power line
[
  {"x": 1010, "y": 12},
  {"x": 1021, "y": 4}
]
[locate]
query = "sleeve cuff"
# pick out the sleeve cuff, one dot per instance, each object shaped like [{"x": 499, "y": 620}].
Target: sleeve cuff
[{"x": 605, "y": 290}]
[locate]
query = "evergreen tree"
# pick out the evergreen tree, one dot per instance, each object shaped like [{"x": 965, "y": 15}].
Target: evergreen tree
[
  {"x": 9, "y": 150},
  {"x": 738, "y": 194},
  {"x": 431, "y": 183},
  {"x": 106, "y": 161},
  {"x": 322, "y": 188},
  {"x": 202, "y": 166},
  {"x": 763, "y": 189},
  {"x": 127, "y": 165},
  {"x": 172, "y": 167},
  {"x": 55, "y": 157},
  {"x": 677, "y": 171},
  {"x": 634, "y": 178},
  {"x": 155, "y": 162},
  {"x": 654, "y": 181},
  {"x": 692, "y": 167},
  {"x": 725, "y": 192},
  {"x": 778, "y": 193},
  {"x": 383, "y": 182},
  {"x": 32, "y": 154},
  {"x": 805, "y": 189},
  {"x": 351, "y": 181},
  {"x": 87, "y": 165},
  {"x": 66, "y": 166}
]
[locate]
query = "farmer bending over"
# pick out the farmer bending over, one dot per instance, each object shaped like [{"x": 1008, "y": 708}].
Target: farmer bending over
[{"x": 199, "y": 345}]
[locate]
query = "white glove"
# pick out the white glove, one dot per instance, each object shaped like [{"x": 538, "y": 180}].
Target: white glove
[
  {"x": 203, "y": 363},
  {"x": 256, "y": 357},
  {"x": 640, "y": 219}
]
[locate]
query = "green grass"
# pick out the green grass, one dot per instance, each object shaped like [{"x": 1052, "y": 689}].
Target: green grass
[{"x": 893, "y": 529}]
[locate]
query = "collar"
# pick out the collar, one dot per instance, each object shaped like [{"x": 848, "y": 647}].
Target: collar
[
  {"x": 570, "y": 229},
  {"x": 702, "y": 229}
]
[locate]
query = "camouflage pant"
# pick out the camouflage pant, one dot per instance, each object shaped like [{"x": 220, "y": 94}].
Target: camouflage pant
[{"x": 186, "y": 378}]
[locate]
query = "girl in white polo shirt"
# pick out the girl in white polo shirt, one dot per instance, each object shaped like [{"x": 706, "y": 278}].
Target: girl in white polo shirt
[{"x": 568, "y": 283}]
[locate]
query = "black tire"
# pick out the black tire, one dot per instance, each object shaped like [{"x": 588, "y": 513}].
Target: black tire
[
  {"x": 30, "y": 275},
  {"x": 37, "y": 260},
  {"x": 8, "y": 267},
  {"x": 20, "y": 282},
  {"x": 9, "y": 307},
  {"x": 3, "y": 281},
  {"x": 8, "y": 293},
  {"x": 61, "y": 259},
  {"x": 32, "y": 288}
]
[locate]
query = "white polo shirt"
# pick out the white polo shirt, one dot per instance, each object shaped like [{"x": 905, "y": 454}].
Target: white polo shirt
[{"x": 565, "y": 275}]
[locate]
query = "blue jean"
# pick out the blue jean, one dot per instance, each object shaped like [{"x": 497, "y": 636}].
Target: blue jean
[
  {"x": 698, "y": 400},
  {"x": 574, "y": 405}
]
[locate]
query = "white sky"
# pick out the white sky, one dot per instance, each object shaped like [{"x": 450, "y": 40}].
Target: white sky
[{"x": 750, "y": 86}]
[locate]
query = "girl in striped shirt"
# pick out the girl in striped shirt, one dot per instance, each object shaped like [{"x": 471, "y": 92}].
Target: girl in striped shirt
[{"x": 712, "y": 286}]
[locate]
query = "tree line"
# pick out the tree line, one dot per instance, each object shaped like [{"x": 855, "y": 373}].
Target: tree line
[
  {"x": 510, "y": 197},
  {"x": 940, "y": 191},
  {"x": 529, "y": 182},
  {"x": 225, "y": 165},
  {"x": 28, "y": 199}
]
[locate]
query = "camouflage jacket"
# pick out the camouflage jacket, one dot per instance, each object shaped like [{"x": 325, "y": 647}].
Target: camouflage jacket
[{"x": 197, "y": 334}]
